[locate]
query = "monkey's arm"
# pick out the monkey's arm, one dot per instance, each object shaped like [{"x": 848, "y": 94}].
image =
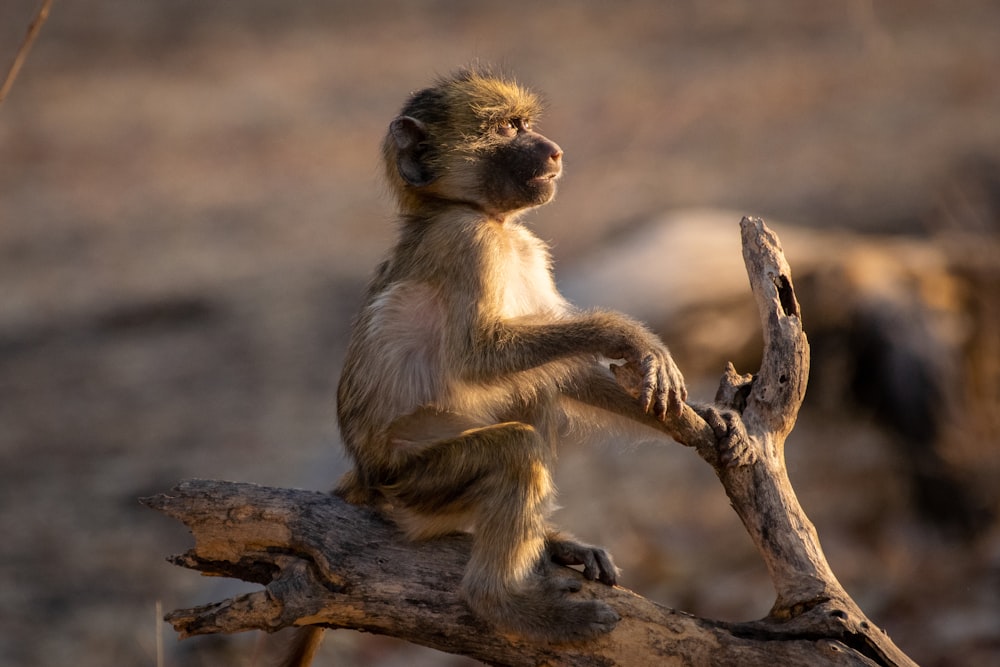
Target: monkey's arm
[
  {"x": 596, "y": 387},
  {"x": 506, "y": 347}
]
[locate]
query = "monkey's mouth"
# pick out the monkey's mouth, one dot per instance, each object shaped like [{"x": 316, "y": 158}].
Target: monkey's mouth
[{"x": 545, "y": 178}]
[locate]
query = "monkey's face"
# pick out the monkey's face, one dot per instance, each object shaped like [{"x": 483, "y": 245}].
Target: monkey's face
[
  {"x": 469, "y": 141},
  {"x": 504, "y": 167},
  {"x": 518, "y": 168}
]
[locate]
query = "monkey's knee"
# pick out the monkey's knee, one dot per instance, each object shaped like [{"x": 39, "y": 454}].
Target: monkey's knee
[
  {"x": 531, "y": 477},
  {"x": 525, "y": 465},
  {"x": 503, "y": 468}
]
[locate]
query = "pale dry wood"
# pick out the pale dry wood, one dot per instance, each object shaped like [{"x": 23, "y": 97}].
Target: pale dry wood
[{"x": 324, "y": 562}]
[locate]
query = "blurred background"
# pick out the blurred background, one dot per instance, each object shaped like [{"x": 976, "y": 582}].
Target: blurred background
[{"x": 190, "y": 207}]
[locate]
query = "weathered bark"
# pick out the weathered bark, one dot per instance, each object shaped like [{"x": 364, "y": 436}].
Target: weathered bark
[{"x": 324, "y": 562}]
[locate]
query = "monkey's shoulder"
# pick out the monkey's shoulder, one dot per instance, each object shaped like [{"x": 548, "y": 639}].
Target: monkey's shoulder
[
  {"x": 394, "y": 359},
  {"x": 408, "y": 309}
]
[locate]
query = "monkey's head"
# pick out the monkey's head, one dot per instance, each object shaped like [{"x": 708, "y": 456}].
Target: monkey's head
[{"x": 468, "y": 140}]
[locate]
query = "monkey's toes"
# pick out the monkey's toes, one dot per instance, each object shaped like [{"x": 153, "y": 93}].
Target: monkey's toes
[
  {"x": 563, "y": 585},
  {"x": 545, "y": 611},
  {"x": 732, "y": 442},
  {"x": 739, "y": 453},
  {"x": 607, "y": 570},
  {"x": 735, "y": 448},
  {"x": 597, "y": 562},
  {"x": 590, "y": 618},
  {"x": 571, "y": 620}
]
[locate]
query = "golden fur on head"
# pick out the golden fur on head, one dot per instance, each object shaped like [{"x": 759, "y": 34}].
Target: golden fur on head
[{"x": 488, "y": 97}]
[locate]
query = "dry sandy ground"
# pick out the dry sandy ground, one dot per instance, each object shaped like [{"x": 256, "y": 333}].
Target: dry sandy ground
[{"x": 189, "y": 206}]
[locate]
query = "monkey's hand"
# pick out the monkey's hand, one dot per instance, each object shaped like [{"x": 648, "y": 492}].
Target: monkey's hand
[
  {"x": 597, "y": 563},
  {"x": 654, "y": 380}
]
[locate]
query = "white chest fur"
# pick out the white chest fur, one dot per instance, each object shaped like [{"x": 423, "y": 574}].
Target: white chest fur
[{"x": 525, "y": 278}]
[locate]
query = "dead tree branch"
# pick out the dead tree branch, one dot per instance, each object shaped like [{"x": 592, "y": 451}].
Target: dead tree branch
[{"x": 322, "y": 561}]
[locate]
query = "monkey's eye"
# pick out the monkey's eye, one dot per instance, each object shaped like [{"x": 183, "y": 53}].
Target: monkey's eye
[{"x": 507, "y": 128}]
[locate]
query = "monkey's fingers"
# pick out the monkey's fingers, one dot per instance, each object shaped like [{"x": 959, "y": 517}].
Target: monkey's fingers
[
  {"x": 667, "y": 391},
  {"x": 665, "y": 398},
  {"x": 677, "y": 382},
  {"x": 674, "y": 405},
  {"x": 678, "y": 394},
  {"x": 651, "y": 382},
  {"x": 655, "y": 383}
]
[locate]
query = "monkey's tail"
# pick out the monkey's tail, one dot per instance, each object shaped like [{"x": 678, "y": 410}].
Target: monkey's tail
[{"x": 304, "y": 645}]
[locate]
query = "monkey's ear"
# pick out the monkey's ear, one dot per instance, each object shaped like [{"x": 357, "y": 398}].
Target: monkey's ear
[{"x": 412, "y": 150}]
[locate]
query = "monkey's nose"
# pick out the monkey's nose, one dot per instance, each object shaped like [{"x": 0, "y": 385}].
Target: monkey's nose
[{"x": 546, "y": 145}]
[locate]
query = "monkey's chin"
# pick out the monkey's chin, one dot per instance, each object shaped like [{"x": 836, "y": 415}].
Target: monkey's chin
[{"x": 543, "y": 189}]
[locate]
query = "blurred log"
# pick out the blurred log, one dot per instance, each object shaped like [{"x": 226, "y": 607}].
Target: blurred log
[{"x": 324, "y": 562}]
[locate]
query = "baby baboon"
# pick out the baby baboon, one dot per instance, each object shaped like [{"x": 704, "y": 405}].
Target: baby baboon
[{"x": 465, "y": 362}]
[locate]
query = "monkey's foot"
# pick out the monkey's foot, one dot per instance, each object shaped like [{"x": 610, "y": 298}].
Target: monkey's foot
[
  {"x": 546, "y": 612},
  {"x": 732, "y": 442},
  {"x": 597, "y": 563}
]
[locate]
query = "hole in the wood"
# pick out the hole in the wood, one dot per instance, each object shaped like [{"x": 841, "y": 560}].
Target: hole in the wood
[{"x": 786, "y": 295}]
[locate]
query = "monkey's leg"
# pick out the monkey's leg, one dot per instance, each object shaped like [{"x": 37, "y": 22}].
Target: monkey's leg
[{"x": 498, "y": 476}]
